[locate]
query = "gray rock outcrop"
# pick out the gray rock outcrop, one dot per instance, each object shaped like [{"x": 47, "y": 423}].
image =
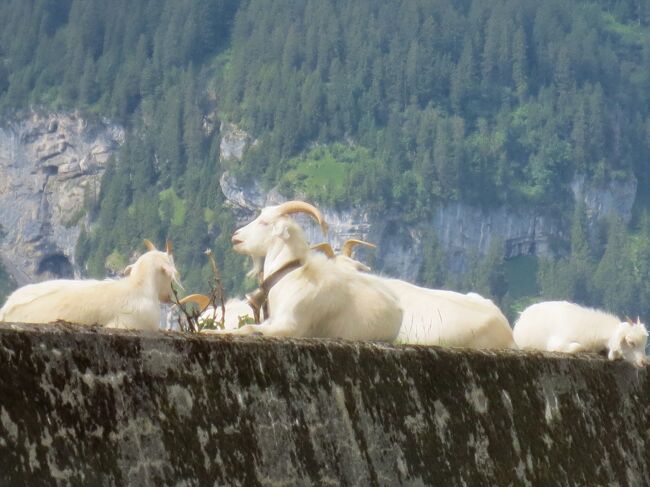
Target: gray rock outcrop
[
  {"x": 460, "y": 228},
  {"x": 234, "y": 142},
  {"x": 50, "y": 163}
]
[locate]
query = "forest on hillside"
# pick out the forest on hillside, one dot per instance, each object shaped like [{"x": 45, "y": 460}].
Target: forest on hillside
[{"x": 395, "y": 104}]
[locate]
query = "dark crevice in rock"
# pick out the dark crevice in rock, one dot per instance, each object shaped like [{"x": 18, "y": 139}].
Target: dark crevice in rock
[
  {"x": 56, "y": 265},
  {"x": 50, "y": 170}
]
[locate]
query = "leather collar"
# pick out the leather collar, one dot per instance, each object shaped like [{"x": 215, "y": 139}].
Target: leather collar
[{"x": 258, "y": 299}]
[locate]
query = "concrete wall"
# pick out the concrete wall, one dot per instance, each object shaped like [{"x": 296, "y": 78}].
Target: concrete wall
[{"x": 84, "y": 406}]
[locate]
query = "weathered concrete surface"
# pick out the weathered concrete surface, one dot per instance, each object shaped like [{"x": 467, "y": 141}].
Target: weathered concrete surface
[{"x": 83, "y": 406}]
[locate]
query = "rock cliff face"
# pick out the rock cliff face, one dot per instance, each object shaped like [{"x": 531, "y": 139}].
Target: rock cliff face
[
  {"x": 49, "y": 163},
  {"x": 84, "y": 406},
  {"x": 234, "y": 142},
  {"x": 460, "y": 228}
]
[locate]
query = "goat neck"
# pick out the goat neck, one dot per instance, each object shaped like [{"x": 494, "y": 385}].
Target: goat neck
[
  {"x": 282, "y": 252},
  {"x": 142, "y": 279}
]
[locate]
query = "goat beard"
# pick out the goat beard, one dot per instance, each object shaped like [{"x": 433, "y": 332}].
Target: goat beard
[{"x": 258, "y": 266}]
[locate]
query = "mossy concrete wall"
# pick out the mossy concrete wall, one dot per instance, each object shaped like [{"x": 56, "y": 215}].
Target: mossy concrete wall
[{"x": 86, "y": 406}]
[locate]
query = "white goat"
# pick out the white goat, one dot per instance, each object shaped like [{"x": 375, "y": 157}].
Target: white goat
[
  {"x": 308, "y": 294},
  {"x": 236, "y": 310},
  {"x": 560, "y": 326},
  {"x": 132, "y": 302},
  {"x": 240, "y": 309},
  {"x": 438, "y": 317},
  {"x": 450, "y": 319}
]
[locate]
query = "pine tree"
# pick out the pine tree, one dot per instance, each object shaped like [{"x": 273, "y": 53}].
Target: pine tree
[
  {"x": 87, "y": 85},
  {"x": 580, "y": 263},
  {"x": 519, "y": 63},
  {"x": 614, "y": 275}
]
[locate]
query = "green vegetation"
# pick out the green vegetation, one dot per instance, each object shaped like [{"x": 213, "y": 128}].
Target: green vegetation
[
  {"x": 521, "y": 276},
  {"x": 397, "y": 105},
  {"x": 488, "y": 102},
  {"x": 149, "y": 64},
  {"x": 632, "y": 34},
  {"x": 171, "y": 207},
  {"x": 325, "y": 173}
]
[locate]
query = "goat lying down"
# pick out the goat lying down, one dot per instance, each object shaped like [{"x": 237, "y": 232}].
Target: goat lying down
[
  {"x": 132, "y": 302},
  {"x": 438, "y": 317},
  {"x": 237, "y": 309},
  {"x": 308, "y": 294},
  {"x": 560, "y": 326},
  {"x": 450, "y": 319}
]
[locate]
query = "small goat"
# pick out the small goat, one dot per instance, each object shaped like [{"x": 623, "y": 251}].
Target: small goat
[
  {"x": 132, "y": 302},
  {"x": 560, "y": 326}
]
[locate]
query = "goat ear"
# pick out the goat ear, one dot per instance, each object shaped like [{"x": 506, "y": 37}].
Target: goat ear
[
  {"x": 149, "y": 244},
  {"x": 172, "y": 273},
  {"x": 281, "y": 230},
  {"x": 167, "y": 270},
  {"x": 127, "y": 270}
]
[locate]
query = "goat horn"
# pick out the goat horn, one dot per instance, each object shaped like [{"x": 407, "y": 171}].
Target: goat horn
[
  {"x": 169, "y": 248},
  {"x": 303, "y": 207},
  {"x": 325, "y": 248},
  {"x": 202, "y": 300},
  {"x": 351, "y": 243},
  {"x": 629, "y": 320},
  {"x": 149, "y": 245}
]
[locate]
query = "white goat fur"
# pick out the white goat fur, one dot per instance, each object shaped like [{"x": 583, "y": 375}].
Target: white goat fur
[
  {"x": 132, "y": 302},
  {"x": 444, "y": 318},
  {"x": 450, "y": 319},
  {"x": 235, "y": 308},
  {"x": 560, "y": 326},
  {"x": 320, "y": 298}
]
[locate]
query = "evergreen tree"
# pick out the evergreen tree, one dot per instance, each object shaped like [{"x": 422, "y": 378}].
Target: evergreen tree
[
  {"x": 488, "y": 102},
  {"x": 614, "y": 276},
  {"x": 581, "y": 263}
]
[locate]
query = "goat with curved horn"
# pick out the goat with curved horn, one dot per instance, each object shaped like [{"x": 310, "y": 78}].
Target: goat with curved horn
[
  {"x": 349, "y": 245},
  {"x": 308, "y": 294},
  {"x": 325, "y": 248},
  {"x": 344, "y": 258},
  {"x": 201, "y": 299},
  {"x": 296, "y": 206}
]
